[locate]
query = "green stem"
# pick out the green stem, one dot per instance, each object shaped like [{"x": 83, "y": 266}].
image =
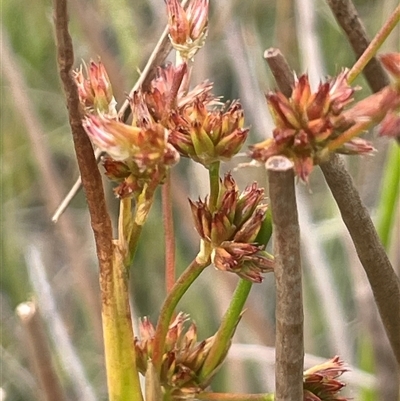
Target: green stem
[
  {"x": 374, "y": 46},
  {"x": 226, "y": 330},
  {"x": 235, "y": 397},
  {"x": 120, "y": 355},
  {"x": 178, "y": 290},
  {"x": 389, "y": 198},
  {"x": 214, "y": 185}
]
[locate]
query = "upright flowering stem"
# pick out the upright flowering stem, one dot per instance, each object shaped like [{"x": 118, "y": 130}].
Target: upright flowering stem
[
  {"x": 228, "y": 325},
  {"x": 182, "y": 284},
  {"x": 374, "y": 46},
  {"x": 289, "y": 341},
  {"x": 122, "y": 375},
  {"x": 214, "y": 184}
]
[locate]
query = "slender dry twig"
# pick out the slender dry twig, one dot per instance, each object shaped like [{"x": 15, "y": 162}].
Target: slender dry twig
[
  {"x": 39, "y": 351},
  {"x": 90, "y": 175},
  {"x": 383, "y": 280},
  {"x": 347, "y": 17},
  {"x": 289, "y": 302}
]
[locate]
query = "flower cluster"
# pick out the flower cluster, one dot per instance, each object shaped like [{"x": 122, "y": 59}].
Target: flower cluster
[
  {"x": 138, "y": 156},
  {"x": 197, "y": 127},
  {"x": 183, "y": 358},
  {"x": 306, "y": 122},
  {"x": 166, "y": 95},
  {"x": 321, "y": 384},
  {"x": 187, "y": 29},
  {"x": 230, "y": 230},
  {"x": 208, "y": 136}
]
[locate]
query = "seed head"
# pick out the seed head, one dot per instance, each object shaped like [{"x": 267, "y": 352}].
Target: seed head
[
  {"x": 138, "y": 156},
  {"x": 306, "y": 122},
  {"x": 231, "y": 229},
  {"x": 95, "y": 91},
  {"x": 321, "y": 384},
  {"x": 183, "y": 358},
  {"x": 208, "y": 136}
]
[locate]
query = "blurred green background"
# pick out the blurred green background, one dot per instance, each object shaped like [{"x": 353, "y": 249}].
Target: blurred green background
[{"x": 55, "y": 264}]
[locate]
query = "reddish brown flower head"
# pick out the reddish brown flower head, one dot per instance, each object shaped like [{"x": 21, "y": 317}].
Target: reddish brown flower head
[
  {"x": 187, "y": 29},
  {"x": 208, "y": 136},
  {"x": 95, "y": 91},
  {"x": 321, "y": 384},
  {"x": 139, "y": 156},
  {"x": 248, "y": 261},
  {"x": 166, "y": 96},
  {"x": 183, "y": 358},
  {"x": 307, "y": 122},
  {"x": 231, "y": 229}
]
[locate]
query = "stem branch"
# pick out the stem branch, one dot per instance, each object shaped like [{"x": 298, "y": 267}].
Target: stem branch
[
  {"x": 289, "y": 304},
  {"x": 178, "y": 290}
]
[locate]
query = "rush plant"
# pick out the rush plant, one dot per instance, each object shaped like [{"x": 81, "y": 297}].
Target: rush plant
[{"x": 168, "y": 117}]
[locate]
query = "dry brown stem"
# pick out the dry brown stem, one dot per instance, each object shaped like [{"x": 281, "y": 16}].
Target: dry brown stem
[
  {"x": 91, "y": 179},
  {"x": 382, "y": 278},
  {"x": 347, "y": 17},
  {"x": 289, "y": 342},
  {"x": 280, "y": 69}
]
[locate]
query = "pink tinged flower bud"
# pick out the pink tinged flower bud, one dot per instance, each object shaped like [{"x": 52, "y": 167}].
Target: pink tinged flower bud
[
  {"x": 247, "y": 203},
  {"x": 246, "y": 260},
  {"x": 231, "y": 144},
  {"x": 112, "y": 137},
  {"x": 197, "y": 14},
  {"x": 301, "y": 92},
  {"x": 319, "y": 105},
  {"x": 321, "y": 381},
  {"x": 95, "y": 92},
  {"x": 187, "y": 29},
  {"x": 178, "y": 24},
  {"x": 249, "y": 230},
  {"x": 282, "y": 111}
]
